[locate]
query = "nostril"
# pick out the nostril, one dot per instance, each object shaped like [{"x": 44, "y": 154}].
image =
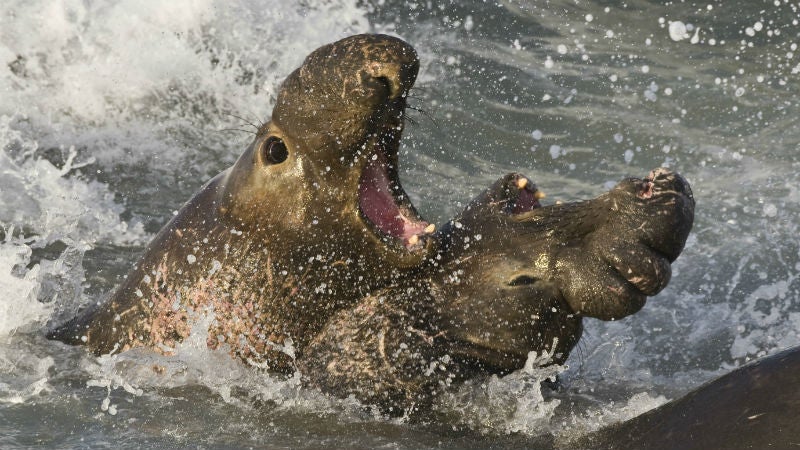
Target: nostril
[
  {"x": 396, "y": 76},
  {"x": 646, "y": 191}
]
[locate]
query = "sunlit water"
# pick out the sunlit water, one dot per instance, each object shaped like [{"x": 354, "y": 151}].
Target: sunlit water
[{"x": 113, "y": 113}]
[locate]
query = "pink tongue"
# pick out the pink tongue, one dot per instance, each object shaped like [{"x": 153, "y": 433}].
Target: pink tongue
[{"x": 377, "y": 203}]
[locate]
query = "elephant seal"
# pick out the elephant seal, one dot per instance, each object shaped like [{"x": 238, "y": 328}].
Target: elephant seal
[
  {"x": 755, "y": 406},
  {"x": 309, "y": 219},
  {"x": 512, "y": 277}
]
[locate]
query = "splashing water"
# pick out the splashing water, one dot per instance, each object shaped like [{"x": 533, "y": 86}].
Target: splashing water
[{"x": 113, "y": 113}]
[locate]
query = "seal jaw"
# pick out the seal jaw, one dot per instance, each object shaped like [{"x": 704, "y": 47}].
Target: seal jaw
[{"x": 384, "y": 206}]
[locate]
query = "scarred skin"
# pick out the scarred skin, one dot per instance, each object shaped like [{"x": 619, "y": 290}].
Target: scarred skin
[
  {"x": 275, "y": 245},
  {"x": 307, "y": 254},
  {"x": 512, "y": 277}
]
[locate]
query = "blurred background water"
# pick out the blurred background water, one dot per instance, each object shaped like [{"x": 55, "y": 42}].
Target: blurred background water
[{"x": 113, "y": 113}]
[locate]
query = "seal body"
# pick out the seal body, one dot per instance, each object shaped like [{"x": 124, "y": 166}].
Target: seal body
[
  {"x": 755, "y": 406},
  {"x": 309, "y": 219},
  {"x": 512, "y": 277},
  {"x": 307, "y": 254}
]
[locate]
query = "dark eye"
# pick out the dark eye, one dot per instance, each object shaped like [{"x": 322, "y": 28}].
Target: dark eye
[
  {"x": 275, "y": 151},
  {"x": 522, "y": 280}
]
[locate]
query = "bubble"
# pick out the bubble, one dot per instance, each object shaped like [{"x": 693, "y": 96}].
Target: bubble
[
  {"x": 678, "y": 31},
  {"x": 468, "y": 23},
  {"x": 628, "y": 156}
]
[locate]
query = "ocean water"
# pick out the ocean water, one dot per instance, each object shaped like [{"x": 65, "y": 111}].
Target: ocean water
[{"x": 112, "y": 113}]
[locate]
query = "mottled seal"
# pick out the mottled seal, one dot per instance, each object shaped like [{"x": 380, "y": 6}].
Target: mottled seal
[
  {"x": 310, "y": 218},
  {"x": 512, "y": 277},
  {"x": 753, "y": 407}
]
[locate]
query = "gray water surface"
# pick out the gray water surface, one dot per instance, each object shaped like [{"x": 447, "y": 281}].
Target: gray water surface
[{"x": 113, "y": 113}]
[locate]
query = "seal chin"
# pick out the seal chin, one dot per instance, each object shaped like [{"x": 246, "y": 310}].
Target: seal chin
[
  {"x": 487, "y": 356},
  {"x": 384, "y": 205}
]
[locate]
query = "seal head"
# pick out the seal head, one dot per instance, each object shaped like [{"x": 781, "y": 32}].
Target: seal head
[
  {"x": 512, "y": 277},
  {"x": 330, "y": 152},
  {"x": 530, "y": 273}
]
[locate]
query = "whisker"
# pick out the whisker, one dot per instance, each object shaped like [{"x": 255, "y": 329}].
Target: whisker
[
  {"x": 244, "y": 120},
  {"x": 261, "y": 121},
  {"x": 238, "y": 129},
  {"x": 424, "y": 113}
]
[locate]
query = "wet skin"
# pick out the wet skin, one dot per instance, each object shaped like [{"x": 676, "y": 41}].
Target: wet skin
[
  {"x": 753, "y": 407},
  {"x": 511, "y": 277},
  {"x": 309, "y": 219},
  {"x": 307, "y": 254}
]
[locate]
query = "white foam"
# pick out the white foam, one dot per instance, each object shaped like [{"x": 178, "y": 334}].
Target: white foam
[
  {"x": 24, "y": 374},
  {"x": 51, "y": 201},
  {"x": 510, "y": 404},
  {"x": 18, "y": 304},
  {"x": 139, "y": 371},
  {"x": 115, "y": 75},
  {"x": 595, "y": 418}
]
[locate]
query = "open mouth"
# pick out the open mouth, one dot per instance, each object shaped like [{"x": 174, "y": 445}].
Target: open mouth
[
  {"x": 385, "y": 205},
  {"x": 527, "y": 196}
]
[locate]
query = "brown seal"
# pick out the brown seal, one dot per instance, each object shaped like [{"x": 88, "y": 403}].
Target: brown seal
[
  {"x": 310, "y": 218},
  {"x": 512, "y": 277}
]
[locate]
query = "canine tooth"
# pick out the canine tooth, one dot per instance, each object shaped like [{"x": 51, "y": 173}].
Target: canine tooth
[
  {"x": 539, "y": 195},
  {"x": 430, "y": 228},
  {"x": 413, "y": 239},
  {"x": 522, "y": 182}
]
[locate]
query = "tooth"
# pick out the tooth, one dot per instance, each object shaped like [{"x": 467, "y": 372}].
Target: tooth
[
  {"x": 539, "y": 195},
  {"x": 413, "y": 240},
  {"x": 430, "y": 228},
  {"x": 522, "y": 182}
]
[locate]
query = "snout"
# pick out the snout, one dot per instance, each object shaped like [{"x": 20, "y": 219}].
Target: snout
[
  {"x": 367, "y": 64},
  {"x": 647, "y": 222}
]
